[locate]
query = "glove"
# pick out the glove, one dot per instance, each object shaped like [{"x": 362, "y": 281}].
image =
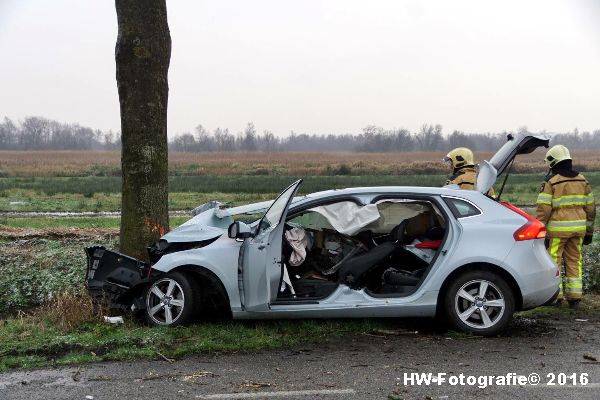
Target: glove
[
  {"x": 587, "y": 239},
  {"x": 547, "y": 243}
]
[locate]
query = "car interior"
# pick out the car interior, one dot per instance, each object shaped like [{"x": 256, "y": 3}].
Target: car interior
[{"x": 384, "y": 248}]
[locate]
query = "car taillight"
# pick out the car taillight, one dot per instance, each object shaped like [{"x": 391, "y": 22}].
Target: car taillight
[{"x": 533, "y": 228}]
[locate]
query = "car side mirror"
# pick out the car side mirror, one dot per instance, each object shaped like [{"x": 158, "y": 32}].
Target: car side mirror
[{"x": 239, "y": 230}]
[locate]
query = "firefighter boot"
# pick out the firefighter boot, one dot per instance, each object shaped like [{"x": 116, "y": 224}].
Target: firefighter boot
[
  {"x": 574, "y": 304},
  {"x": 558, "y": 303}
]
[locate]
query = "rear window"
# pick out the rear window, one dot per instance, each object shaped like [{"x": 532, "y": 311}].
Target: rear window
[{"x": 461, "y": 208}]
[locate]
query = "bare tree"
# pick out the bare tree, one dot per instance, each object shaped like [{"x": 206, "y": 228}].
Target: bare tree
[
  {"x": 460, "y": 139},
  {"x": 249, "y": 140},
  {"x": 430, "y": 138},
  {"x": 269, "y": 141},
  {"x": 184, "y": 142},
  {"x": 34, "y": 133},
  {"x": 142, "y": 54},
  {"x": 204, "y": 141},
  {"x": 8, "y": 134},
  {"x": 227, "y": 141}
]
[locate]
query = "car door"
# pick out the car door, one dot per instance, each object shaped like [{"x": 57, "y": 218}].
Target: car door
[
  {"x": 260, "y": 256},
  {"x": 519, "y": 144}
]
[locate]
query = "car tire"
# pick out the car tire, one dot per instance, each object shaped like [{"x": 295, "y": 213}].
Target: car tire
[
  {"x": 171, "y": 300},
  {"x": 469, "y": 310}
]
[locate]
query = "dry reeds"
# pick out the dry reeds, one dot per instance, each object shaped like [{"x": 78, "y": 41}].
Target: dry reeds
[
  {"x": 68, "y": 311},
  {"x": 107, "y": 163}
]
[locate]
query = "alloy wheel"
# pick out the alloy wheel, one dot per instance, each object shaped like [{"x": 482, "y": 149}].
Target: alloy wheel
[
  {"x": 479, "y": 304},
  {"x": 165, "y": 301}
]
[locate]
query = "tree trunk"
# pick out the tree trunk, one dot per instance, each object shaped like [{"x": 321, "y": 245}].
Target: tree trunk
[{"x": 142, "y": 55}]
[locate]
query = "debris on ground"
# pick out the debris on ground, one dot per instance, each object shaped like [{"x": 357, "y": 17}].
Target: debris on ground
[
  {"x": 167, "y": 359},
  {"x": 256, "y": 385},
  {"x": 114, "y": 320},
  {"x": 200, "y": 374},
  {"x": 77, "y": 375},
  {"x": 390, "y": 332}
]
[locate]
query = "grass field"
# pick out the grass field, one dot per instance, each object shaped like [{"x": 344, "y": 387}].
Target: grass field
[
  {"x": 186, "y": 192},
  {"x": 20, "y": 200},
  {"x": 72, "y": 181}
]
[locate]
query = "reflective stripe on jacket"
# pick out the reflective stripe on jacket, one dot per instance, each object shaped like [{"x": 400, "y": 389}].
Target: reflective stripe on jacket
[{"x": 566, "y": 205}]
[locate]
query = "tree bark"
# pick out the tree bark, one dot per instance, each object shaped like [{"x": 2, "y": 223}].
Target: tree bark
[{"x": 142, "y": 56}]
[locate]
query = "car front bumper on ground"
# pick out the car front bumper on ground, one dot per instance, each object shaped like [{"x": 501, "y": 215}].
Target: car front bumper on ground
[{"x": 117, "y": 279}]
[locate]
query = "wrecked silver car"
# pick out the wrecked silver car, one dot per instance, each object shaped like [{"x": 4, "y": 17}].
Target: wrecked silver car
[{"x": 358, "y": 252}]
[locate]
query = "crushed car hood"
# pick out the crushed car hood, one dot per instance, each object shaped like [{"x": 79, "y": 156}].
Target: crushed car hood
[
  {"x": 193, "y": 233},
  {"x": 210, "y": 221},
  {"x": 203, "y": 226}
]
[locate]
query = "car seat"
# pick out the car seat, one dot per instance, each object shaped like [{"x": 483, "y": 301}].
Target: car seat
[{"x": 352, "y": 269}]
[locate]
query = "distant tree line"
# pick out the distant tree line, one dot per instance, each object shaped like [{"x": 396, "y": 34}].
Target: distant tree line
[
  {"x": 37, "y": 133},
  {"x": 372, "y": 139}
]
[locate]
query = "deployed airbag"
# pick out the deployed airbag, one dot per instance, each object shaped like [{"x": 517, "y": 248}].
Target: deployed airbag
[
  {"x": 299, "y": 241},
  {"x": 347, "y": 217}
]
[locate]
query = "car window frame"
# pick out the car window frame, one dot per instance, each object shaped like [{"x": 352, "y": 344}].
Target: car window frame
[
  {"x": 260, "y": 230},
  {"x": 454, "y": 209}
]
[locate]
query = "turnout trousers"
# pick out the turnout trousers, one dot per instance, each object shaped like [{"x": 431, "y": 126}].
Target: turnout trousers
[{"x": 567, "y": 254}]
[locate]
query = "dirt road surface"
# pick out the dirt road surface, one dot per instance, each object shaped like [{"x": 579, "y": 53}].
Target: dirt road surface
[{"x": 374, "y": 366}]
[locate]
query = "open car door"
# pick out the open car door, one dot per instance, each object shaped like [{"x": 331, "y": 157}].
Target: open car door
[
  {"x": 260, "y": 255},
  {"x": 516, "y": 144}
]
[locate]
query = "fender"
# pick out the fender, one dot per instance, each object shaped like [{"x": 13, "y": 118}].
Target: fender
[{"x": 220, "y": 258}]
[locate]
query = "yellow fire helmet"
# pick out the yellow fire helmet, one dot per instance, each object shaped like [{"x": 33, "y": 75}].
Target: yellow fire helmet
[
  {"x": 460, "y": 157},
  {"x": 557, "y": 154}
]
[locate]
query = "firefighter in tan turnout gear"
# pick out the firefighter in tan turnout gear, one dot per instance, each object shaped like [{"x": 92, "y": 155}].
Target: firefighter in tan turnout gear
[
  {"x": 463, "y": 165},
  {"x": 566, "y": 205}
]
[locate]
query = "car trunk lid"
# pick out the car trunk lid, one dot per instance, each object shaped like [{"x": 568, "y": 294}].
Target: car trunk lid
[{"x": 489, "y": 171}]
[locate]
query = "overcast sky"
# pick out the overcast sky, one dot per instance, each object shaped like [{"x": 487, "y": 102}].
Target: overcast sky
[{"x": 329, "y": 66}]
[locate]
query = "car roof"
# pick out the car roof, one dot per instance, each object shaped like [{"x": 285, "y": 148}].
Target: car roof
[
  {"x": 369, "y": 191},
  {"x": 420, "y": 190}
]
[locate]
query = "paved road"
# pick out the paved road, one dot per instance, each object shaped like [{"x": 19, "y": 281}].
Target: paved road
[{"x": 366, "y": 367}]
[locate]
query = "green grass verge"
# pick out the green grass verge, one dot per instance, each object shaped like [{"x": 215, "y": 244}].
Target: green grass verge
[{"x": 31, "y": 342}]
